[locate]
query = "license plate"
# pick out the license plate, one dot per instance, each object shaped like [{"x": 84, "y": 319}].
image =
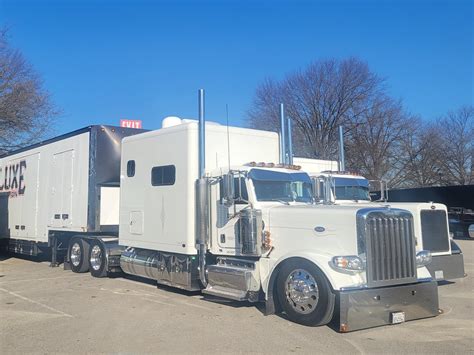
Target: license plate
[{"x": 397, "y": 317}]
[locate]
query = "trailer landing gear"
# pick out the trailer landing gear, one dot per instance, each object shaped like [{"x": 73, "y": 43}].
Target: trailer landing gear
[{"x": 54, "y": 251}]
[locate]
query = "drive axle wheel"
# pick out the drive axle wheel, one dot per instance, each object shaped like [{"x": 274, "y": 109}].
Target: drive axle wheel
[
  {"x": 77, "y": 253},
  {"x": 304, "y": 293},
  {"x": 97, "y": 259}
]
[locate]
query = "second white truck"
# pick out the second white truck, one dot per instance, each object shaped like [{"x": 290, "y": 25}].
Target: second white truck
[{"x": 432, "y": 227}]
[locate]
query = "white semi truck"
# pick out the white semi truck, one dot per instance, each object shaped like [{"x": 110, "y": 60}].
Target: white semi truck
[
  {"x": 198, "y": 211},
  {"x": 431, "y": 227}
]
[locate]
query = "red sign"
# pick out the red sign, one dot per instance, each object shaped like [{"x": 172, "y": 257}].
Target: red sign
[{"x": 131, "y": 123}]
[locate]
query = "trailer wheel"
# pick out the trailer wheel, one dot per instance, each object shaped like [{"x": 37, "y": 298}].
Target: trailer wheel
[
  {"x": 97, "y": 259},
  {"x": 304, "y": 293},
  {"x": 77, "y": 253}
]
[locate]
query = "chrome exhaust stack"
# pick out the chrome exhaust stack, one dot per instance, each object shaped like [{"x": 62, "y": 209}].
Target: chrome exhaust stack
[
  {"x": 202, "y": 134},
  {"x": 342, "y": 163},
  {"x": 290, "y": 143},
  {"x": 286, "y": 143},
  {"x": 202, "y": 195},
  {"x": 282, "y": 135}
]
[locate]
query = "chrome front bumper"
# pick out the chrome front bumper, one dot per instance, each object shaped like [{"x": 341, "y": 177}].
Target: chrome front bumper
[
  {"x": 367, "y": 308},
  {"x": 447, "y": 267}
]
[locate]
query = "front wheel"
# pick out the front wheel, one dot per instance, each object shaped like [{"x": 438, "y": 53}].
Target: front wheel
[{"x": 304, "y": 293}]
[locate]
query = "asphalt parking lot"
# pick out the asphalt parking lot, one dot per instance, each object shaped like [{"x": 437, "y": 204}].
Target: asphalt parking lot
[{"x": 49, "y": 310}]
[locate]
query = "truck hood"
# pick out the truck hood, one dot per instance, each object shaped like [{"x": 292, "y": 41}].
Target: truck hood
[
  {"x": 311, "y": 225},
  {"x": 310, "y": 216},
  {"x": 410, "y": 206}
]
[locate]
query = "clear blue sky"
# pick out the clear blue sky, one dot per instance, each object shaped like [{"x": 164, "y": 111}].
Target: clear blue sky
[{"x": 106, "y": 60}]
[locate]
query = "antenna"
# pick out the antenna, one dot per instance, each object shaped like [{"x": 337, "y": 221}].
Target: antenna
[{"x": 228, "y": 135}]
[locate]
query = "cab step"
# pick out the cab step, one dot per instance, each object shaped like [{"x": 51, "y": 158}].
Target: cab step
[{"x": 234, "y": 279}]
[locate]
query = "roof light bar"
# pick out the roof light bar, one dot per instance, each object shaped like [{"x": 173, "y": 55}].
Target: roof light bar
[
  {"x": 273, "y": 165},
  {"x": 341, "y": 172}
]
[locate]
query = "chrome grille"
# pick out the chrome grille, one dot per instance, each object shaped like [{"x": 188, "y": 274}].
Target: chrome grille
[{"x": 389, "y": 245}]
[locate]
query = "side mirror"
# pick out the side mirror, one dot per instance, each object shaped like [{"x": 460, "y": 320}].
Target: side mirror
[
  {"x": 384, "y": 189},
  {"x": 229, "y": 189},
  {"x": 330, "y": 190},
  {"x": 378, "y": 185},
  {"x": 316, "y": 184},
  {"x": 323, "y": 189}
]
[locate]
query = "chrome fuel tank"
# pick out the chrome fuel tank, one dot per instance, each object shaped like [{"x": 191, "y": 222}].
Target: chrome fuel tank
[{"x": 166, "y": 268}]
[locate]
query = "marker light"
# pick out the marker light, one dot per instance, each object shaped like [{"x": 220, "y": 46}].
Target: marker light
[
  {"x": 347, "y": 263},
  {"x": 267, "y": 241},
  {"x": 423, "y": 258},
  {"x": 354, "y": 173},
  {"x": 273, "y": 165}
]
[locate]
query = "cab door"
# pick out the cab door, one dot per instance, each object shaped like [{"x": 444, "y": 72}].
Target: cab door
[{"x": 227, "y": 219}]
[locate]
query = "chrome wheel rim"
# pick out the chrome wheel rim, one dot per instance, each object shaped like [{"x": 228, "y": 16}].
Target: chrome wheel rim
[
  {"x": 96, "y": 257},
  {"x": 302, "y": 291},
  {"x": 75, "y": 254}
]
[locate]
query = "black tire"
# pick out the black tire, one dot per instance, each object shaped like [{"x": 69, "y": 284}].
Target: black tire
[
  {"x": 97, "y": 259},
  {"x": 77, "y": 253},
  {"x": 315, "y": 306}
]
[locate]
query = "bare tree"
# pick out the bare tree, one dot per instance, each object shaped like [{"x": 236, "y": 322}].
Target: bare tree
[
  {"x": 25, "y": 107},
  {"x": 457, "y": 154},
  {"x": 420, "y": 153},
  {"x": 391, "y": 145},
  {"x": 318, "y": 99},
  {"x": 382, "y": 140},
  {"x": 374, "y": 143}
]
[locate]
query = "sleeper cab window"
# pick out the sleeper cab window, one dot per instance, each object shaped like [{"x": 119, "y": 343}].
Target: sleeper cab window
[
  {"x": 163, "y": 175},
  {"x": 131, "y": 168}
]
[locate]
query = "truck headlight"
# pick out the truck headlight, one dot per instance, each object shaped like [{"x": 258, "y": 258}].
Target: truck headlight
[
  {"x": 348, "y": 263},
  {"x": 423, "y": 258}
]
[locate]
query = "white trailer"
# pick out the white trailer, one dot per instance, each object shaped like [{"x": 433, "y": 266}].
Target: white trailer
[
  {"x": 59, "y": 188},
  {"x": 431, "y": 227},
  {"x": 199, "y": 211}
]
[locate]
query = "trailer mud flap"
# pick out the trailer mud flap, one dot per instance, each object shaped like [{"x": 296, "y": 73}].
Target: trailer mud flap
[{"x": 367, "y": 308}]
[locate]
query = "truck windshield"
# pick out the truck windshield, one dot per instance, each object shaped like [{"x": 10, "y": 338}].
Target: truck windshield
[
  {"x": 281, "y": 186},
  {"x": 352, "y": 189}
]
